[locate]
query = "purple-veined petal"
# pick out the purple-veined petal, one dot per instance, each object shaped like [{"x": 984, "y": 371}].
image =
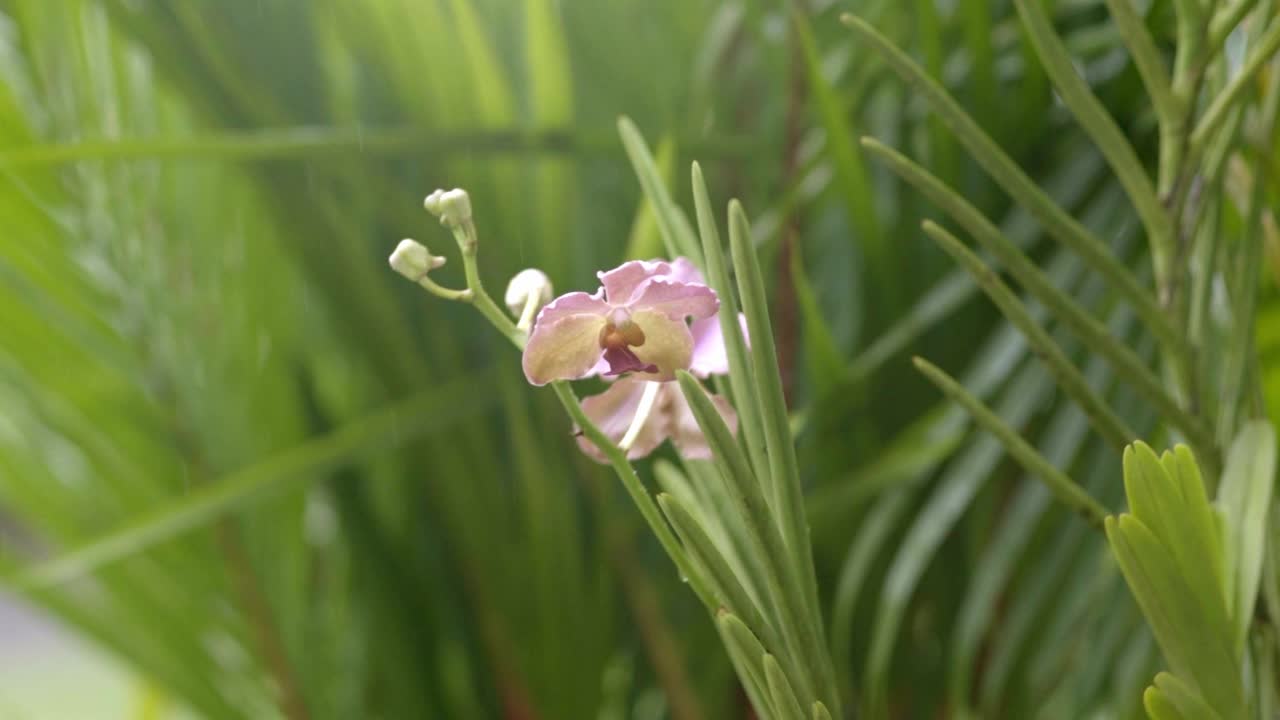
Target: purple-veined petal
[
  {"x": 614, "y": 409},
  {"x": 621, "y": 283},
  {"x": 674, "y": 299},
  {"x": 567, "y": 348},
  {"x": 683, "y": 426},
  {"x": 667, "y": 343},
  {"x": 709, "y": 354},
  {"x": 574, "y": 303}
]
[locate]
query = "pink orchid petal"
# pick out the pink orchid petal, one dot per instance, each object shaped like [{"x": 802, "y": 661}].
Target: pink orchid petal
[
  {"x": 683, "y": 426},
  {"x": 709, "y": 354},
  {"x": 674, "y": 299},
  {"x": 574, "y": 303},
  {"x": 567, "y": 348},
  {"x": 621, "y": 283},
  {"x": 668, "y": 343},
  {"x": 683, "y": 270},
  {"x": 613, "y": 410}
]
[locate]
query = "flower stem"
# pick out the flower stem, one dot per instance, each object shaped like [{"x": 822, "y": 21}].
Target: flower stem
[
  {"x": 468, "y": 243},
  {"x": 643, "y": 500},
  {"x": 432, "y": 287}
]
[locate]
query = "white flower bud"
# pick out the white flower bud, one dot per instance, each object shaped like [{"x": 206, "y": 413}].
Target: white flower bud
[
  {"x": 455, "y": 207},
  {"x": 412, "y": 260},
  {"x": 432, "y": 202},
  {"x": 526, "y": 284}
]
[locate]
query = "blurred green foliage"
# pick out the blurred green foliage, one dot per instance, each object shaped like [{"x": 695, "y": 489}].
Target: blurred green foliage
[{"x": 242, "y": 456}]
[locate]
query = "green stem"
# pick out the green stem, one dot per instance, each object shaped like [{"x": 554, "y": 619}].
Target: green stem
[
  {"x": 1147, "y": 58},
  {"x": 1212, "y": 118},
  {"x": 631, "y": 482},
  {"x": 1067, "y": 492},
  {"x": 468, "y": 243},
  {"x": 1102, "y": 129},
  {"x": 1010, "y": 176},
  {"x": 1224, "y": 22},
  {"x": 1072, "y": 381}
]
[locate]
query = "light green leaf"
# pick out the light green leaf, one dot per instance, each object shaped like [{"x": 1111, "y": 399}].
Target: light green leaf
[
  {"x": 784, "y": 698},
  {"x": 1248, "y": 480},
  {"x": 1189, "y": 703}
]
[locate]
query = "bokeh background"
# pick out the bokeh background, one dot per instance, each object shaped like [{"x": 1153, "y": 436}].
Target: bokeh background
[{"x": 248, "y": 472}]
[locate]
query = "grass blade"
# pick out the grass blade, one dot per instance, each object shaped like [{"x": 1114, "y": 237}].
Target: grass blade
[
  {"x": 1015, "y": 181},
  {"x": 1068, "y": 376},
  {"x": 1033, "y": 462}
]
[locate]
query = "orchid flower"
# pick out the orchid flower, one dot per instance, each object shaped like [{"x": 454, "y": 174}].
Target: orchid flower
[
  {"x": 635, "y": 322},
  {"x": 639, "y": 414}
]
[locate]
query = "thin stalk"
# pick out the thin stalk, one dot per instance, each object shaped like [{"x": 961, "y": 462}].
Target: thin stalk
[
  {"x": 1073, "y": 383},
  {"x": 1247, "y": 270},
  {"x": 1102, "y": 129},
  {"x": 1022, "y": 188},
  {"x": 1066, "y": 491},
  {"x": 1224, "y": 21},
  {"x": 1036, "y": 282},
  {"x": 639, "y": 495},
  {"x": 1212, "y": 118},
  {"x": 468, "y": 243},
  {"x": 1147, "y": 58}
]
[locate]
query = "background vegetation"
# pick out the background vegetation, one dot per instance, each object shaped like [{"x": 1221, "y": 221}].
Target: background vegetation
[{"x": 240, "y": 454}]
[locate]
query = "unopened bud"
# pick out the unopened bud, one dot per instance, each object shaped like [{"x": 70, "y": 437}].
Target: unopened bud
[
  {"x": 453, "y": 207},
  {"x": 412, "y": 260},
  {"x": 432, "y": 202},
  {"x": 530, "y": 283}
]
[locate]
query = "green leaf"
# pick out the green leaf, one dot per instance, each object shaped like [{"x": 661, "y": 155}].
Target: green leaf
[
  {"x": 1015, "y": 181},
  {"x": 1090, "y": 113},
  {"x": 1167, "y": 494},
  {"x": 731, "y": 590},
  {"x": 1159, "y": 706},
  {"x": 851, "y": 172},
  {"x": 1038, "y": 284},
  {"x": 823, "y": 358},
  {"x": 1192, "y": 634},
  {"x": 677, "y": 234},
  {"x": 645, "y": 239},
  {"x": 1066, "y": 491},
  {"x": 784, "y": 698},
  {"x": 745, "y": 400},
  {"x": 785, "y": 496},
  {"x": 381, "y": 431},
  {"x": 1188, "y": 702},
  {"x": 1245, "y": 495},
  {"x": 1104, "y": 419},
  {"x": 748, "y": 657}
]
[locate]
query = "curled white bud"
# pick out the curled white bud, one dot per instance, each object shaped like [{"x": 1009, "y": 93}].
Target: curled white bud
[
  {"x": 453, "y": 207},
  {"x": 412, "y": 260},
  {"x": 432, "y": 202},
  {"x": 527, "y": 292},
  {"x": 530, "y": 283}
]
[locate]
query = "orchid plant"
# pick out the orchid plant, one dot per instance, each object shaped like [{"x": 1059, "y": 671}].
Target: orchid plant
[{"x": 654, "y": 330}]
